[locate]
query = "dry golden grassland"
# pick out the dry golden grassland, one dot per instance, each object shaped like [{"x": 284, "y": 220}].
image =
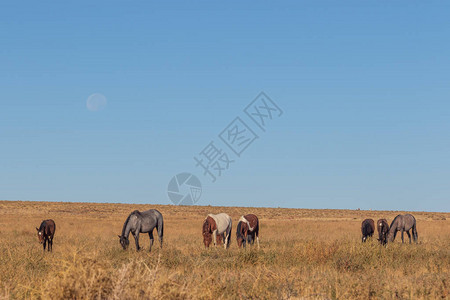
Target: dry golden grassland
[{"x": 308, "y": 254}]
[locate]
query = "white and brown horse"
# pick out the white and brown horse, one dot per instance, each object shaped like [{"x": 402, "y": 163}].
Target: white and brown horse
[
  {"x": 215, "y": 225},
  {"x": 247, "y": 230}
]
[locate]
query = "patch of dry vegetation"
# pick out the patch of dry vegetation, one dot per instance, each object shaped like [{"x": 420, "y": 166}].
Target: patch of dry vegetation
[{"x": 312, "y": 254}]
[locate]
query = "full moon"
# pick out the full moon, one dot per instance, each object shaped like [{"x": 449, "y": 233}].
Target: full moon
[{"x": 96, "y": 102}]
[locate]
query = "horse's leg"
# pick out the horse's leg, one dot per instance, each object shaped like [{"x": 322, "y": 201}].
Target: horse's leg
[
  {"x": 51, "y": 244},
  {"x": 225, "y": 240},
  {"x": 402, "y": 235},
  {"x": 409, "y": 235},
  {"x": 249, "y": 238},
  {"x": 44, "y": 243},
  {"x": 215, "y": 237},
  {"x": 136, "y": 239},
  {"x": 257, "y": 235},
  {"x": 150, "y": 234}
]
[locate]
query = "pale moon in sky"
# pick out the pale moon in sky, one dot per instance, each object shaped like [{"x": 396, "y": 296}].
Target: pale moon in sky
[{"x": 96, "y": 102}]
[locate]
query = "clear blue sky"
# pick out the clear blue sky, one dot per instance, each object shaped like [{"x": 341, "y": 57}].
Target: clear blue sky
[{"x": 364, "y": 86}]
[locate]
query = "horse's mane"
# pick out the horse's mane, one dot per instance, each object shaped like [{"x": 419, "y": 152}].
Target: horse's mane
[
  {"x": 136, "y": 212},
  {"x": 42, "y": 225},
  {"x": 392, "y": 223}
]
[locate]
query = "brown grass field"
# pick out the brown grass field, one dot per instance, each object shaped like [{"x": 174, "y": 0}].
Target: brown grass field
[{"x": 305, "y": 254}]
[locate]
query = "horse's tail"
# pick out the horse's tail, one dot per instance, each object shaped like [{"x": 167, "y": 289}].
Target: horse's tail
[
  {"x": 414, "y": 232},
  {"x": 238, "y": 230},
  {"x": 229, "y": 233},
  {"x": 160, "y": 227}
]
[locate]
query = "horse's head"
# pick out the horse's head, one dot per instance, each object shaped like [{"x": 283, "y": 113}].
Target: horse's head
[
  {"x": 124, "y": 242},
  {"x": 380, "y": 228},
  {"x": 206, "y": 231},
  {"x": 241, "y": 231},
  {"x": 390, "y": 235},
  {"x": 40, "y": 235},
  {"x": 383, "y": 229}
]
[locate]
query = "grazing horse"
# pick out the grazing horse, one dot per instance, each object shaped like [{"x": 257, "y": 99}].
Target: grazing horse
[
  {"x": 142, "y": 222},
  {"x": 367, "y": 229},
  {"x": 214, "y": 225},
  {"x": 383, "y": 229},
  {"x": 403, "y": 223},
  {"x": 46, "y": 232},
  {"x": 247, "y": 230}
]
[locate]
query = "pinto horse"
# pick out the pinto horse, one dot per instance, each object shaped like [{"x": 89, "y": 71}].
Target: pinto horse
[
  {"x": 247, "y": 230},
  {"x": 215, "y": 225},
  {"x": 46, "y": 232},
  {"x": 383, "y": 229},
  {"x": 367, "y": 229}
]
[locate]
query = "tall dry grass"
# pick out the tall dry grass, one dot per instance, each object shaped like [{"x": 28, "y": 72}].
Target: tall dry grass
[{"x": 308, "y": 254}]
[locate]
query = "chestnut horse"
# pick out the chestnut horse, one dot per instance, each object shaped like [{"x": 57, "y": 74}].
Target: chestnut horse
[
  {"x": 367, "y": 229},
  {"x": 247, "y": 230},
  {"x": 214, "y": 225},
  {"x": 46, "y": 232},
  {"x": 383, "y": 229}
]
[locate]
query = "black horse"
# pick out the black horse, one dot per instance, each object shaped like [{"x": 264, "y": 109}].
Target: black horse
[
  {"x": 367, "y": 229},
  {"x": 46, "y": 232}
]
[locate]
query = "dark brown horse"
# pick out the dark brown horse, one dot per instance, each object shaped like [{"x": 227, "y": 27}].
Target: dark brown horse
[
  {"x": 367, "y": 229},
  {"x": 46, "y": 232},
  {"x": 247, "y": 230},
  {"x": 383, "y": 229}
]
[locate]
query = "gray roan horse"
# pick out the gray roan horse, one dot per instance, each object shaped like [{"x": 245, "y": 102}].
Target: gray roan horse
[
  {"x": 403, "y": 223},
  {"x": 142, "y": 222}
]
